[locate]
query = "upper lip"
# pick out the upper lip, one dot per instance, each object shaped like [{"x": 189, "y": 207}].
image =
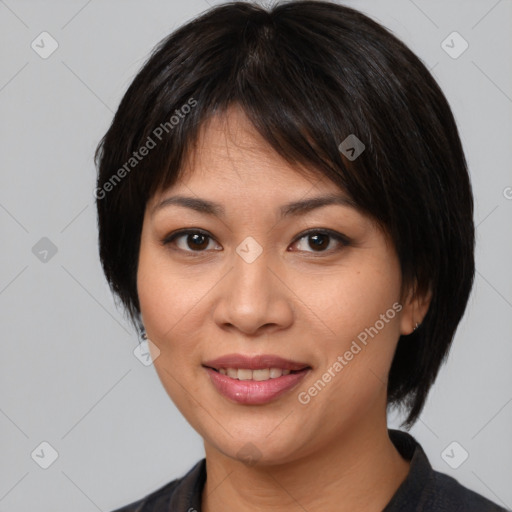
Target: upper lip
[{"x": 255, "y": 362}]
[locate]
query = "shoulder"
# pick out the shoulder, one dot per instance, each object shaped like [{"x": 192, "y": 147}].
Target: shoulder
[
  {"x": 182, "y": 493},
  {"x": 427, "y": 490},
  {"x": 446, "y": 493}
]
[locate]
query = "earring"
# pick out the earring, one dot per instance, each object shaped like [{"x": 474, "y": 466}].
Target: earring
[
  {"x": 416, "y": 326},
  {"x": 143, "y": 336}
]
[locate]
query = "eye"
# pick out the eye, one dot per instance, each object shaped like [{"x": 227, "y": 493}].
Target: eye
[
  {"x": 199, "y": 241},
  {"x": 319, "y": 240},
  {"x": 189, "y": 240}
]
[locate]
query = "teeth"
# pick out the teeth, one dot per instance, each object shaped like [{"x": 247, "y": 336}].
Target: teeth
[
  {"x": 246, "y": 374},
  {"x": 261, "y": 374}
]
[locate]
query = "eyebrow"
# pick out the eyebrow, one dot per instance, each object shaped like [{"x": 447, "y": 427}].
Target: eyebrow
[{"x": 294, "y": 208}]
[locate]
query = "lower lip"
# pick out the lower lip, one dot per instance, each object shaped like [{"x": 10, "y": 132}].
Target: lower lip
[{"x": 253, "y": 392}]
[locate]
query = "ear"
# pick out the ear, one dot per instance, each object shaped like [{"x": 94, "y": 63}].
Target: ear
[{"x": 415, "y": 307}]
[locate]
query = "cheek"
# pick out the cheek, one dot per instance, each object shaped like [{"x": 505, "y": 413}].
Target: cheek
[
  {"x": 171, "y": 322},
  {"x": 167, "y": 295},
  {"x": 165, "y": 306},
  {"x": 352, "y": 298},
  {"x": 359, "y": 310}
]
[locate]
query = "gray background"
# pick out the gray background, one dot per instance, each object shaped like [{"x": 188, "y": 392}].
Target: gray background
[{"x": 68, "y": 373}]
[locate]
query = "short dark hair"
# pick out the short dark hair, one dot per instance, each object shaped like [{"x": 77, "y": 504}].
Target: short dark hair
[{"x": 307, "y": 74}]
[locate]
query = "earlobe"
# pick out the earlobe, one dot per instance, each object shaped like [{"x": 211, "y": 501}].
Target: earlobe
[{"x": 414, "y": 310}]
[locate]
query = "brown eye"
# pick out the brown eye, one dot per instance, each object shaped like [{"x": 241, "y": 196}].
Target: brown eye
[
  {"x": 189, "y": 241},
  {"x": 320, "y": 241},
  {"x": 197, "y": 241}
]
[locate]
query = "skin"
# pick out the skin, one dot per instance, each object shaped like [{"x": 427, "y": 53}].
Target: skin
[{"x": 295, "y": 301}]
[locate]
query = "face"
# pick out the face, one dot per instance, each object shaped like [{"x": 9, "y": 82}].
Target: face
[{"x": 317, "y": 286}]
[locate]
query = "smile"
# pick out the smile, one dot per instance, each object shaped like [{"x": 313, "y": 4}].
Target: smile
[{"x": 250, "y": 391}]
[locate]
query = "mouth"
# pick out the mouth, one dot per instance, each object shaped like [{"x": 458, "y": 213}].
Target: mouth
[
  {"x": 252, "y": 380},
  {"x": 255, "y": 367}
]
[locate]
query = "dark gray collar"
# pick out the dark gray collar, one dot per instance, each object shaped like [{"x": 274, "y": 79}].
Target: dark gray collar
[{"x": 423, "y": 489}]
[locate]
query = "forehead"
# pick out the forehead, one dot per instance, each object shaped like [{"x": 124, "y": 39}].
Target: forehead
[{"x": 230, "y": 152}]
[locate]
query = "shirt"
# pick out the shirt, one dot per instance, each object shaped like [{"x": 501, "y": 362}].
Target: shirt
[{"x": 423, "y": 490}]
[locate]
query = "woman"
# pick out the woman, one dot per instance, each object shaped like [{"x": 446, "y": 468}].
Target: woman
[{"x": 285, "y": 212}]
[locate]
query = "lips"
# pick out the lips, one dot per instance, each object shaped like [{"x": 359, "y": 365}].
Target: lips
[
  {"x": 257, "y": 362},
  {"x": 250, "y": 392},
  {"x": 260, "y": 389}
]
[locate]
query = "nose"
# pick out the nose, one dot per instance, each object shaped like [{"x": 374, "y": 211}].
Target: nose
[{"x": 254, "y": 297}]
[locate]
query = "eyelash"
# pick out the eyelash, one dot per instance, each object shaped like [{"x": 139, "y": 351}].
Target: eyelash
[{"x": 342, "y": 239}]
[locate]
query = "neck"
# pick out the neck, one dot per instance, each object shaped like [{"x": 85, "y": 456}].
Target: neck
[{"x": 362, "y": 471}]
